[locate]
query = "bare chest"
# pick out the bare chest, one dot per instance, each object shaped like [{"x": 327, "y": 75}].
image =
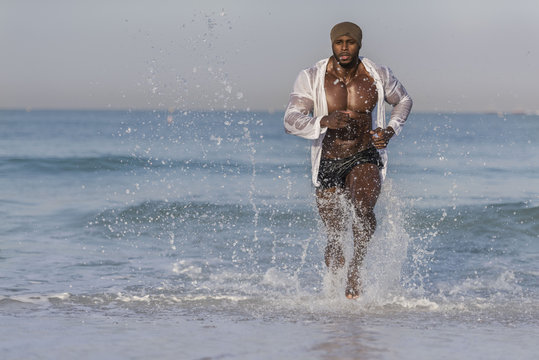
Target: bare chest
[{"x": 357, "y": 94}]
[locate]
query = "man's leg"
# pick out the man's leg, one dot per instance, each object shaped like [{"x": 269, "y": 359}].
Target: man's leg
[
  {"x": 363, "y": 185},
  {"x": 333, "y": 213}
]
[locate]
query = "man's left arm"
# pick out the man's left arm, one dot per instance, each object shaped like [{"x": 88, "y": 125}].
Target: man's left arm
[{"x": 396, "y": 95}]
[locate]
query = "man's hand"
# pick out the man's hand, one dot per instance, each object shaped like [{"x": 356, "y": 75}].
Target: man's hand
[
  {"x": 380, "y": 137},
  {"x": 336, "y": 120}
]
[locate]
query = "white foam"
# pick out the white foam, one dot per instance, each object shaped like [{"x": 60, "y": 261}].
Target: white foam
[
  {"x": 504, "y": 282},
  {"x": 169, "y": 298},
  {"x": 37, "y": 299},
  {"x": 411, "y": 303},
  {"x": 181, "y": 267},
  {"x": 278, "y": 279}
]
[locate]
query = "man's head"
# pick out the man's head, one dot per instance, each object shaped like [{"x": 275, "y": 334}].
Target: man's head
[
  {"x": 346, "y": 42},
  {"x": 346, "y": 28}
]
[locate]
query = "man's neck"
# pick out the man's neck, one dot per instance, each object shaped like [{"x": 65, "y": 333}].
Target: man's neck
[{"x": 347, "y": 72}]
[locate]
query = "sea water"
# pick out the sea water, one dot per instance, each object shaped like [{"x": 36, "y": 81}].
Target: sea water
[{"x": 195, "y": 235}]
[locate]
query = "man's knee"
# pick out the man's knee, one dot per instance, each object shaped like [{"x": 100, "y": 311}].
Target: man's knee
[
  {"x": 366, "y": 219},
  {"x": 363, "y": 210}
]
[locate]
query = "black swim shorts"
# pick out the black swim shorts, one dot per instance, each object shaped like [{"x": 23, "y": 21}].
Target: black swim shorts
[{"x": 333, "y": 172}]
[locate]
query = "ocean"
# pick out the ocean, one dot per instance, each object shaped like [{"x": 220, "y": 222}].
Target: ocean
[{"x": 195, "y": 235}]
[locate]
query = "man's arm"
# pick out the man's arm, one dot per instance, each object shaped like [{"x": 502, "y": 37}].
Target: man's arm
[
  {"x": 297, "y": 118},
  {"x": 380, "y": 137},
  {"x": 337, "y": 119},
  {"x": 396, "y": 95}
]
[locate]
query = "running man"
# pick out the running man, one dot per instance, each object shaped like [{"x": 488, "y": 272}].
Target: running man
[{"x": 332, "y": 104}]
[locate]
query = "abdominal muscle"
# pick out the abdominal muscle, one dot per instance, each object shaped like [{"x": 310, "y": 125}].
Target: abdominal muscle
[{"x": 348, "y": 141}]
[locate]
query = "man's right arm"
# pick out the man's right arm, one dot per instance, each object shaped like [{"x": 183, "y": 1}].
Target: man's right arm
[{"x": 298, "y": 119}]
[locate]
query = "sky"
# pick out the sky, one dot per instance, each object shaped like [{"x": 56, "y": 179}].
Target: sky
[{"x": 452, "y": 56}]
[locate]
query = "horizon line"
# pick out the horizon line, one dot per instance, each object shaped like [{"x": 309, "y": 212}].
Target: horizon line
[{"x": 179, "y": 110}]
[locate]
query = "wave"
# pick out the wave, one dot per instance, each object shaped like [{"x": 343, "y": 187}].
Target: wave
[
  {"x": 479, "y": 227},
  {"x": 163, "y": 211},
  {"x": 70, "y": 164},
  {"x": 505, "y": 218},
  {"x": 202, "y": 216},
  {"x": 108, "y": 163},
  {"x": 512, "y": 217}
]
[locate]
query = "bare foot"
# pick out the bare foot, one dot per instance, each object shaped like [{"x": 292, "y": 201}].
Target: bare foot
[{"x": 351, "y": 293}]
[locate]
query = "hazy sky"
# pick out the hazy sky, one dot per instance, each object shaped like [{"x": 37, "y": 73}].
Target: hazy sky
[{"x": 460, "y": 55}]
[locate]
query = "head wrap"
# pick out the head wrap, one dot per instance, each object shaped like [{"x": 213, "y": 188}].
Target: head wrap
[{"x": 346, "y": 28}]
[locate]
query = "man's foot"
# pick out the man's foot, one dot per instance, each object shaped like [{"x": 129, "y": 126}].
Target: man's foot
[{"x": 352, "y": 292}]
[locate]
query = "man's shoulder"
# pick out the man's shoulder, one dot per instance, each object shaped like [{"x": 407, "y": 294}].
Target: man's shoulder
[
  {"x": 374, "y": 65},
  {"x": 383, "y": 71},
  {"x": 318, "y": 66},
  {"x": 313, "y": 74}
]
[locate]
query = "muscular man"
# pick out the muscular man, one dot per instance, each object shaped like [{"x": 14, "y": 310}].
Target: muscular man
[{"x": 332, "y": 104}]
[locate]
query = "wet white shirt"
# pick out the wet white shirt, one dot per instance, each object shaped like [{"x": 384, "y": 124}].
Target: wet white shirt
[{"x": 308, "y": 105}]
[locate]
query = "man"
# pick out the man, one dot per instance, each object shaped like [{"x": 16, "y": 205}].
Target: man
[{"x": 332, "y": 104}]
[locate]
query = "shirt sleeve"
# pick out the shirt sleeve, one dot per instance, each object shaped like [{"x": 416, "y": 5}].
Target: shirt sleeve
[
  {"x": 396, "y": 95},
  {"x": 298, "y": 118}
]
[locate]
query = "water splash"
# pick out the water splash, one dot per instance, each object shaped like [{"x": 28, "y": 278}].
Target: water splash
[
  {"x": 252, "y": 185},
  {"x": 204, "y": 81},
  {"x": 387, "y": 251}
]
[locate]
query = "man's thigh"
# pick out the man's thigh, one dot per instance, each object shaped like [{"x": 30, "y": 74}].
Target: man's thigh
[
  {"x": 332, "y": 206},
  {"x": 363, "y": 184}
]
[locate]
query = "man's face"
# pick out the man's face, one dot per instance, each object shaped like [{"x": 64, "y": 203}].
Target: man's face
[{"x": 346, "y": 50}]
